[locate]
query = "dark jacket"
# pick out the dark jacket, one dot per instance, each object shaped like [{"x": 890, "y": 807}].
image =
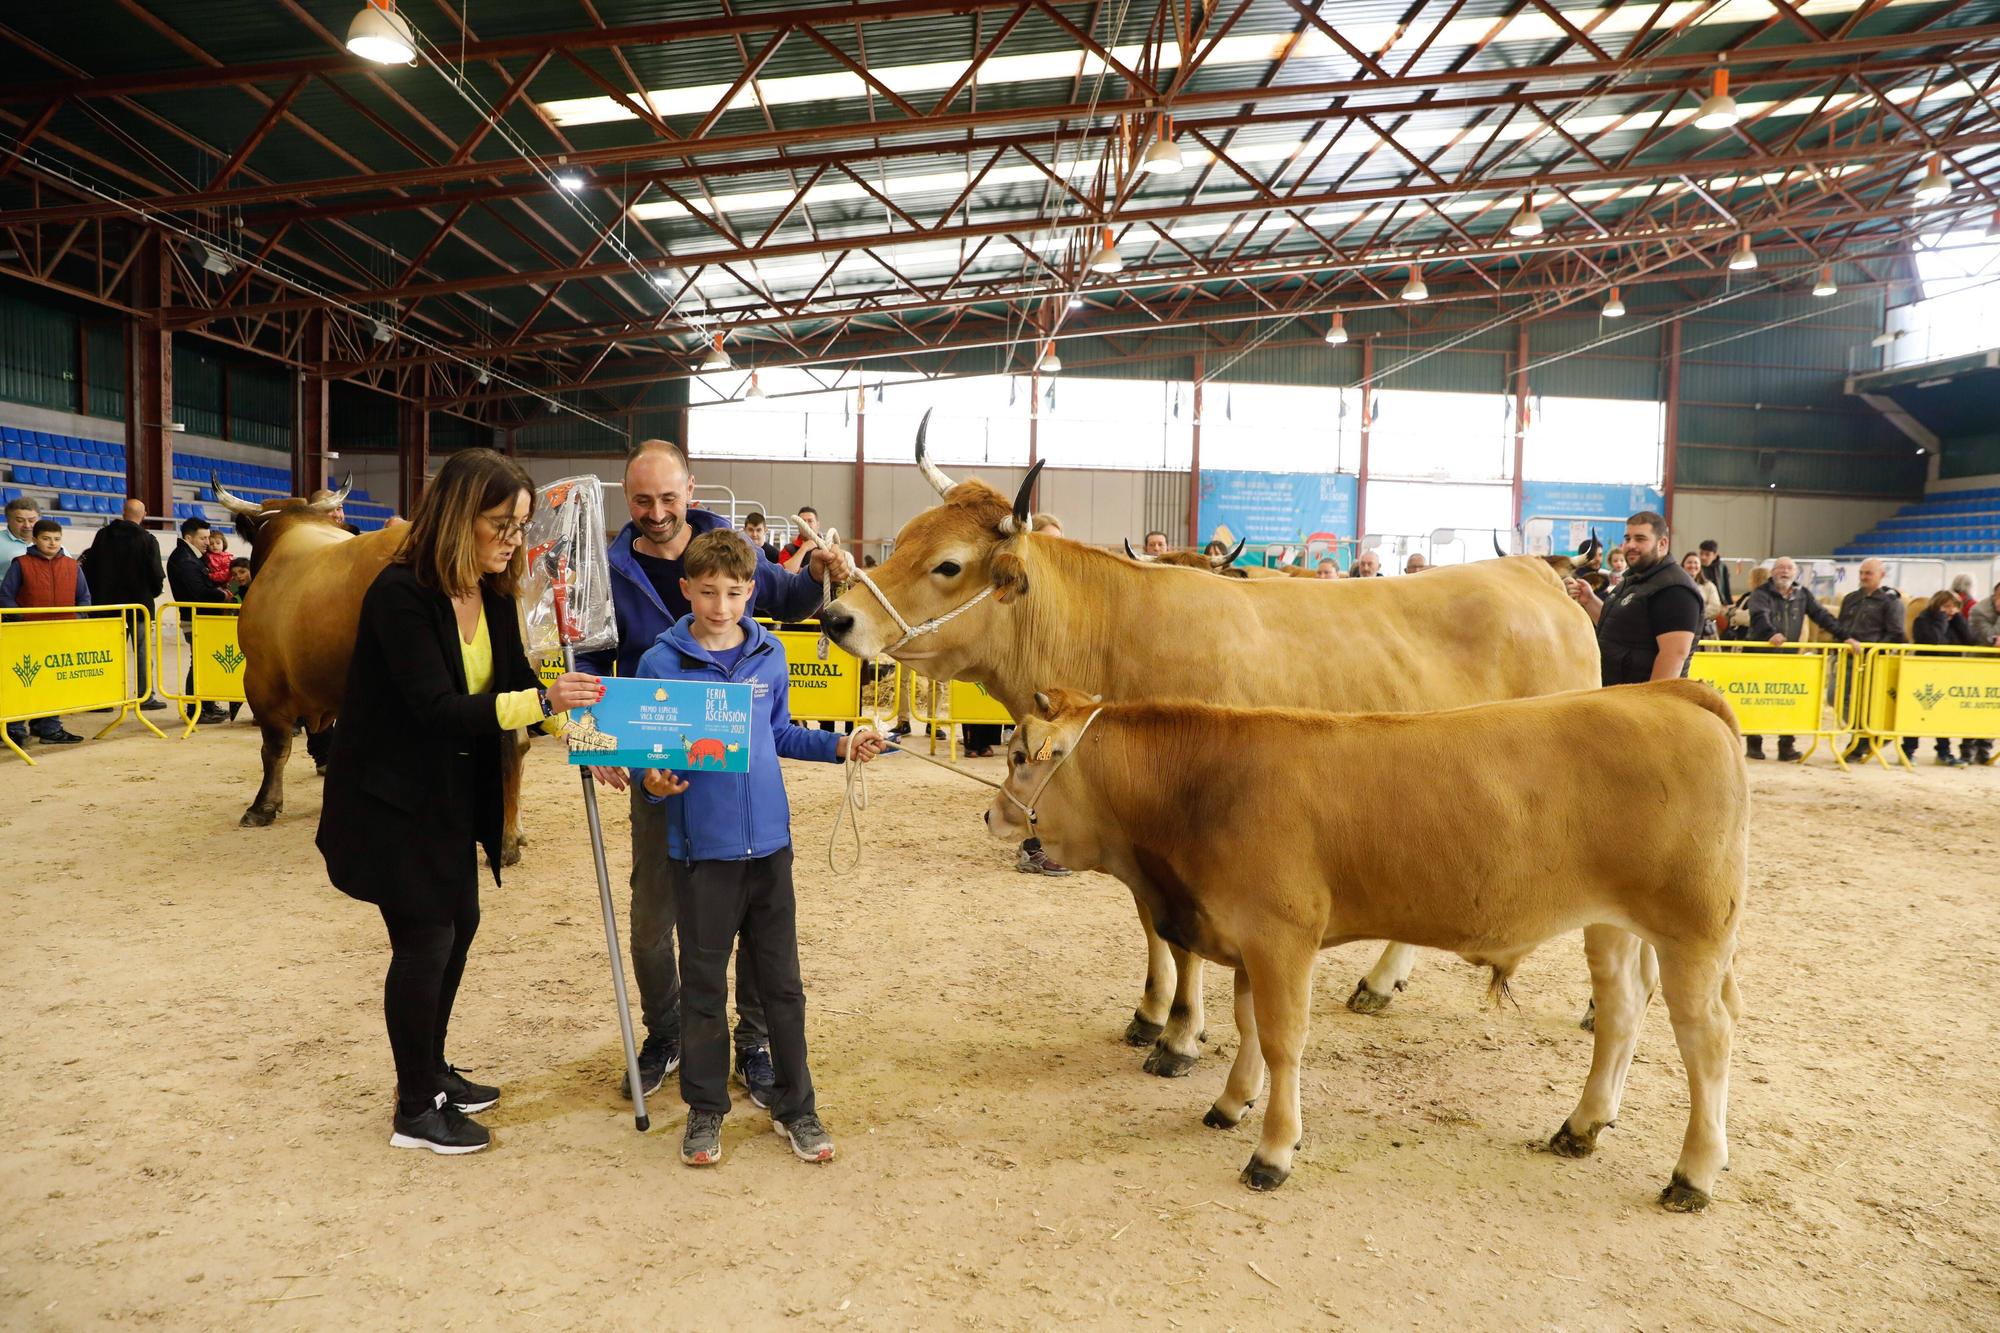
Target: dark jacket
[
  {"x": 187, "y": 575},
  {"x": 1873, "y": 617},
  {"x": 737, "y": 816},
  {"x": 1943, "y": 629},
  {"x": 1718, "y": 574},
  {"x": 1771, "y": 614},
  {"x": 123, "y": 564},
  {"x": 414, "y": 779},
  {"x": 643, "y": 617}
]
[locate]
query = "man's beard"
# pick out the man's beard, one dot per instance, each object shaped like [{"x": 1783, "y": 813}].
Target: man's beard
[
  {"x": 1635, "y": 563},
  {"x": 667, "y": 530}
]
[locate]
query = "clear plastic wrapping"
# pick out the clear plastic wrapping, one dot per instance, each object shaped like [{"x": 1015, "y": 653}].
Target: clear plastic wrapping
[{"x": 566, "y": 596}]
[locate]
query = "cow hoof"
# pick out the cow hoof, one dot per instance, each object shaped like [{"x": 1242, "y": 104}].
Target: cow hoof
[
  {"x": 1567, "y": 1143},
  {"x": 257, "y": 816},
  {"x": 1589, "y": 1020},
  {"x": 1169, "y": 1064},
  {"x": 1140, "y": 1032},
  {"x": 1681, "y": 1197},
  {"x": 511, "y": 856},
  {"x": 1218, "y": 1119},
  {"x": 1365, "y": 1001},
  {"x": 1262, "y": 1176}
]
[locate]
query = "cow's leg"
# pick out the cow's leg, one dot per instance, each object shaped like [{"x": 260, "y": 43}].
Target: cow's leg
[
  {"x": 1649, "y": 969},
  {"x": 513, "y": 751},
  {"x": 271, "y": 795},
  {"x": 1246, "y": 1076},
  {"x": 1179, "y": 1047},
  {"x": 1618, "y": 989},
  {"x": 1149, "y": 1020},
  {"x": 1701, "y": 1000},
  {"x": 1389, "y": 975},
  {"x": 1281, "y": 989}
]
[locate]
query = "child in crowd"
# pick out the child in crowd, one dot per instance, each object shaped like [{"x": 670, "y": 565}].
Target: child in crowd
[
  {"x": 44, "y": 576},
  {"x": 729, "y": 851},
  {"x": 219, "y": 560},
  {"x": 239, "y": 578}
]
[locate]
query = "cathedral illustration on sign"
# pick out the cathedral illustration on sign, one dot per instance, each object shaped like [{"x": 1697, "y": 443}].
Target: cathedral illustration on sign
[{"x": 584, "y": 735}]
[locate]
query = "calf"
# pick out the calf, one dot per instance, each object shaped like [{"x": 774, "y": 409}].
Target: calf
[{"x": 1217, "y": 820}]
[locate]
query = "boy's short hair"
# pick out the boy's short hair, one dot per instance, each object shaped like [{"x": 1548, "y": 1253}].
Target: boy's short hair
[
  {"x": 753, "y": 519},
  {"x": 190, "y": 526},
  {"x": 720, "y": 551},
  {"x": 238, "y": 563},
  {"x": 43, "y": 525}
]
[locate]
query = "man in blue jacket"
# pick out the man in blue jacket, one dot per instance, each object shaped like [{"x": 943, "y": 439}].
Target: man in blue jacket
[{"x": 646, "y": 598}]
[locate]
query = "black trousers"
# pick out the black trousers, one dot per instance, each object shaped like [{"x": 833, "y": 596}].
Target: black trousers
[
  {"x": 426, "y": 961},
  {"x": 716, "y": 902},
  {"x": 657, "y": 882}
]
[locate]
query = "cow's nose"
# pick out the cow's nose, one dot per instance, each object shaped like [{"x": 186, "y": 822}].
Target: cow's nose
[{"x": 836, "y": 622}]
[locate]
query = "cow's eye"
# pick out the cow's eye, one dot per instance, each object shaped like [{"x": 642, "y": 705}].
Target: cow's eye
[
  {"x": 1018, "y": 757},
  {"x": 949, "y": 569}
]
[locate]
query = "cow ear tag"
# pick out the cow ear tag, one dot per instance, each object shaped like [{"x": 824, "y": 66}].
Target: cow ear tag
[{"x": 1042, "y": 755}]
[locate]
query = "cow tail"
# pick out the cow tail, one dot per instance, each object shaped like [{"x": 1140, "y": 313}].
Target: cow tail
[{"x": 1498, "y": 992}]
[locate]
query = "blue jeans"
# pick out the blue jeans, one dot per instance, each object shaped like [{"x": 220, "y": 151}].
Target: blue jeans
[{"x": 41, "y": 726}]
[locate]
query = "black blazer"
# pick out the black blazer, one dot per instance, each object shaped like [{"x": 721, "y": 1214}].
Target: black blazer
[
  {"x": 187, "y": 575},
  {"x": 414, "y": 779}
]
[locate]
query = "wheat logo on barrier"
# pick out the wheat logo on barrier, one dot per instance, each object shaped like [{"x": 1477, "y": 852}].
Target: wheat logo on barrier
[
  {"x": 229, "y": 657},
  {"x": 26, "y": 670},
  {"x": 1929, "y": 695}
]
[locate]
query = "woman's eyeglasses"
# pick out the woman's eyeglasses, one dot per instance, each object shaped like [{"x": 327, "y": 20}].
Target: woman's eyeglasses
[{"x": 506, "y": 529}]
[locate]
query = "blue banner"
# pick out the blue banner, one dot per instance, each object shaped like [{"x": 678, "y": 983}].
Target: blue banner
[
  {"x": 684, "y": 724},
  {"x": 1266, "y": 507},
  {"x": 1605, "y": 502}
]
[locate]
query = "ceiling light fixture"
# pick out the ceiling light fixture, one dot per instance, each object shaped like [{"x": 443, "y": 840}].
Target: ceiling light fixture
[
  {"x": 1163, "y": 157},
  {"x": 1745, "y": 258},
  {"x": 717, "y": 359},
  {"x": 1933, "y": 187},
  {"x": 755, "y": 390},
  {"x": 1615, "y": 307},
  {"x": 1337, "y": 334},
  {"x": 380, "y": 34},
  {"x": 1076, "y": 302},
  {"x": 1050, "y": 362},
  {"x": 1718, "y": 111},
  {"x": 381, "y": 332},
  {"x": 484, "y": 376},
  {"x": 1826, "y": 286},
  {"x": 1106, "y": 259},
  {"x": 216, "y": 262},
  {"x": 571, "y": 181},
  {"x": 1414, "y": 289},
  {"x": 1527, "y": 222}
]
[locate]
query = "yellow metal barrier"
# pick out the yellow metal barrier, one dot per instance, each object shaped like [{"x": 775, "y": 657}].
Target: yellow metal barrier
[
  {"x": 1924, "y": 690},
  {"x": 1783, "y": 691},
  {"x": 965, "y": 704},
  {"x": 209, "y": 631},
  {"x": 62, "y": 660}
]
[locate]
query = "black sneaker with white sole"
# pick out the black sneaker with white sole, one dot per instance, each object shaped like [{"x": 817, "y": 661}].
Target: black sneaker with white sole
[
  {"x": 759, "y": 1075},
  {"x": 464, "y": 1095},
  {"x": 442, "y": 1128},
  {"x": 659, "y": 1056},
  {"x": 808, "y": 1137}
]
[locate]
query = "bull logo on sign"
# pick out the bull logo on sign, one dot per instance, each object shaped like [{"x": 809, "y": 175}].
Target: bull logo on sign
[
  {"x": 229, "y": 657},
  {"x": 701, "y": 751},
  {"x": 1929, "y": 695},
  {"x": 26, "y": 670}
]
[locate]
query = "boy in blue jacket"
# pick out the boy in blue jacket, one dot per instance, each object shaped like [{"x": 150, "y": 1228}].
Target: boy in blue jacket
[{"x": 729, "y": 846}]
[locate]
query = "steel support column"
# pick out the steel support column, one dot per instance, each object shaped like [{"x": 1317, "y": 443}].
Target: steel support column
[
  {"x": 310, "y": 404},
  {"x": 149, "y": 381},
  {"x": 413, "y": 456},
  {"x": 1367, "y": 425},
  {"x": 1194, "y": 453},
  {"x": 860, "y": 465},
  {"x": 1671, "y": 428},
  {"x": 1034, "y": 421},
  {"x": 1520, "y": 421}
]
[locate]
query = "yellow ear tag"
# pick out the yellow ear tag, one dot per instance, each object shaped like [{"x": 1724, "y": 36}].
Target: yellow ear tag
[{"x": 1041, "y": 755}]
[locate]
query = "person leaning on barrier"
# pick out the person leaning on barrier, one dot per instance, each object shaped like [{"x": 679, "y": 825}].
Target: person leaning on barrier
[
  {"x": 187, "y": 577},
  {"x": 1940, "y": 625},
  {"x": 1984, "y": 621},
  {"x": 1779, "y": 611},
  {"x": 1872, "y": 613},
  {"x": 44, "y": 576},
  {"x": 123, "y": 563},
  {"x": 1646, "y": 629}
]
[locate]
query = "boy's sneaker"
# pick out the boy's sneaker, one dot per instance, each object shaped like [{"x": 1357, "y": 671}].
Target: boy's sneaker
[
  {"x": 1035, "y": 861},
  {"x": 440, "y": 1128},
  {"x": 463, "y": 1094},
  {"x": 658, "y": 1057},
  {"x": 701, "y": 1143},
  {"x": 808, "y": 1137},
  {"x": 759, "y": 1075}
]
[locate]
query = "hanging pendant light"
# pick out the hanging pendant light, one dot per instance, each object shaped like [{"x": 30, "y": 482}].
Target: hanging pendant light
[
  {"x": 1615, "y": 307},
  {"x": 1163, "y": 156},
  {"x": 755, "y": 390},
  {"x": 1337, "y": 334},
  {"x": 1718, "y": 110},
  {"x": 1527, "y": 222},
  {"x": 1745, "y": 258},
  {"x": 1106, "y": 259},
  {"x": 380, "y": 34},
  {"x": 1050, "y": 362},
  {"x": 717, "y": 359},
  {"x": 1933, "y": 187},
  {"x": 1826, "y": 286},
  {"x": 1414, "y": 289}
]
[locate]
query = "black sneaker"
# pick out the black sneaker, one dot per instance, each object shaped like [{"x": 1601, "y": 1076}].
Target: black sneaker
[
  {"x": 61, "y": 738},
  {"x": 153, "y": 705},
  {"x": 701, "y": 1142},
  {"x": 442, "y": 1128},
  {"x": 1754, "y": 748},
  {"x": 465, "y": 1095},
  {"x": 659, "y": 1056},
  {"x": 759, "y": 1075},
  {"x": 211, "y": 715},
  {"x": 808, "y": 1137}
]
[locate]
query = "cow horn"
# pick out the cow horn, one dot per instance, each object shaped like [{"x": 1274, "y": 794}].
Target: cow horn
[
  {"x": 235, "y": 504},
  {"x": 938, "y": 480},
  {"x": 1224, "y": 561},
  {"x": 1497, "y": 550},
  {"x": 1135, "y": 555},
  {"x": 334, "y": 501},
  {"x": 1021, "y": 513}
]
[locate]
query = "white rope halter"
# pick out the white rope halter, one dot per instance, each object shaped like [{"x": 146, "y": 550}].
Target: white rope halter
[
  {"x": 1028, "y": 807},
  {"x": 861, "y": 576}
]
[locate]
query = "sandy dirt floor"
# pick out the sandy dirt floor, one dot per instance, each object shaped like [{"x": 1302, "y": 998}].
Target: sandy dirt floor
[{"x": 196, "y": 1089}]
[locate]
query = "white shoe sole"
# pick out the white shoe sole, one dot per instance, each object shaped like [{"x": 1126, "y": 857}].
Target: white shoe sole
[
  {"x": 474, "y": 1108},
  {"x": 443, "y": 1150},
  {"x": 778, "y": 1128}
]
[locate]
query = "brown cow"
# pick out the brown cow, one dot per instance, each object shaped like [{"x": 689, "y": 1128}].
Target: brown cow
[
  {"x": 1223, "y": 563},
  {"x": 297, "y": 631},
  {"x": 1217, "y": 819},
  {"x": 1587, "y": 564},
  {"x": 971, "y": 595}
]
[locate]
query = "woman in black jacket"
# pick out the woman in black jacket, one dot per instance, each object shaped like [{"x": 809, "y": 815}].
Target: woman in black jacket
[
  {"x": 1940, "y": 623},
  {"x": 438, "y": 677}
]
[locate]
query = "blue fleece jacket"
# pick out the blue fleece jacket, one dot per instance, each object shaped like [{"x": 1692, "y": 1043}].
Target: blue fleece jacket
[
  {"x": 643, "y": 617},
  {"x": 736, "y": 816}
]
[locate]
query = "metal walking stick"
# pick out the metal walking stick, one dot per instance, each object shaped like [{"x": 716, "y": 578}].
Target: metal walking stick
[{"x": 566, "y": 552}]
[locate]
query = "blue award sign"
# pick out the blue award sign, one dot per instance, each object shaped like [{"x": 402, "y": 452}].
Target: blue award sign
[{"x": 683, "y": 724}]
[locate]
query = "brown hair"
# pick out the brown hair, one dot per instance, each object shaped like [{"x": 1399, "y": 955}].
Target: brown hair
[
  {"x": 722, "y": 551},
  {"x": 442, "y": 546},
  {"x": 1942, "y": 600},
  {"x": 1657, "y": 522}
]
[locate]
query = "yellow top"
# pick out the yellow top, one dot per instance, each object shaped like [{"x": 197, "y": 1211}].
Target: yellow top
[{"x": 520, "y": 708}]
